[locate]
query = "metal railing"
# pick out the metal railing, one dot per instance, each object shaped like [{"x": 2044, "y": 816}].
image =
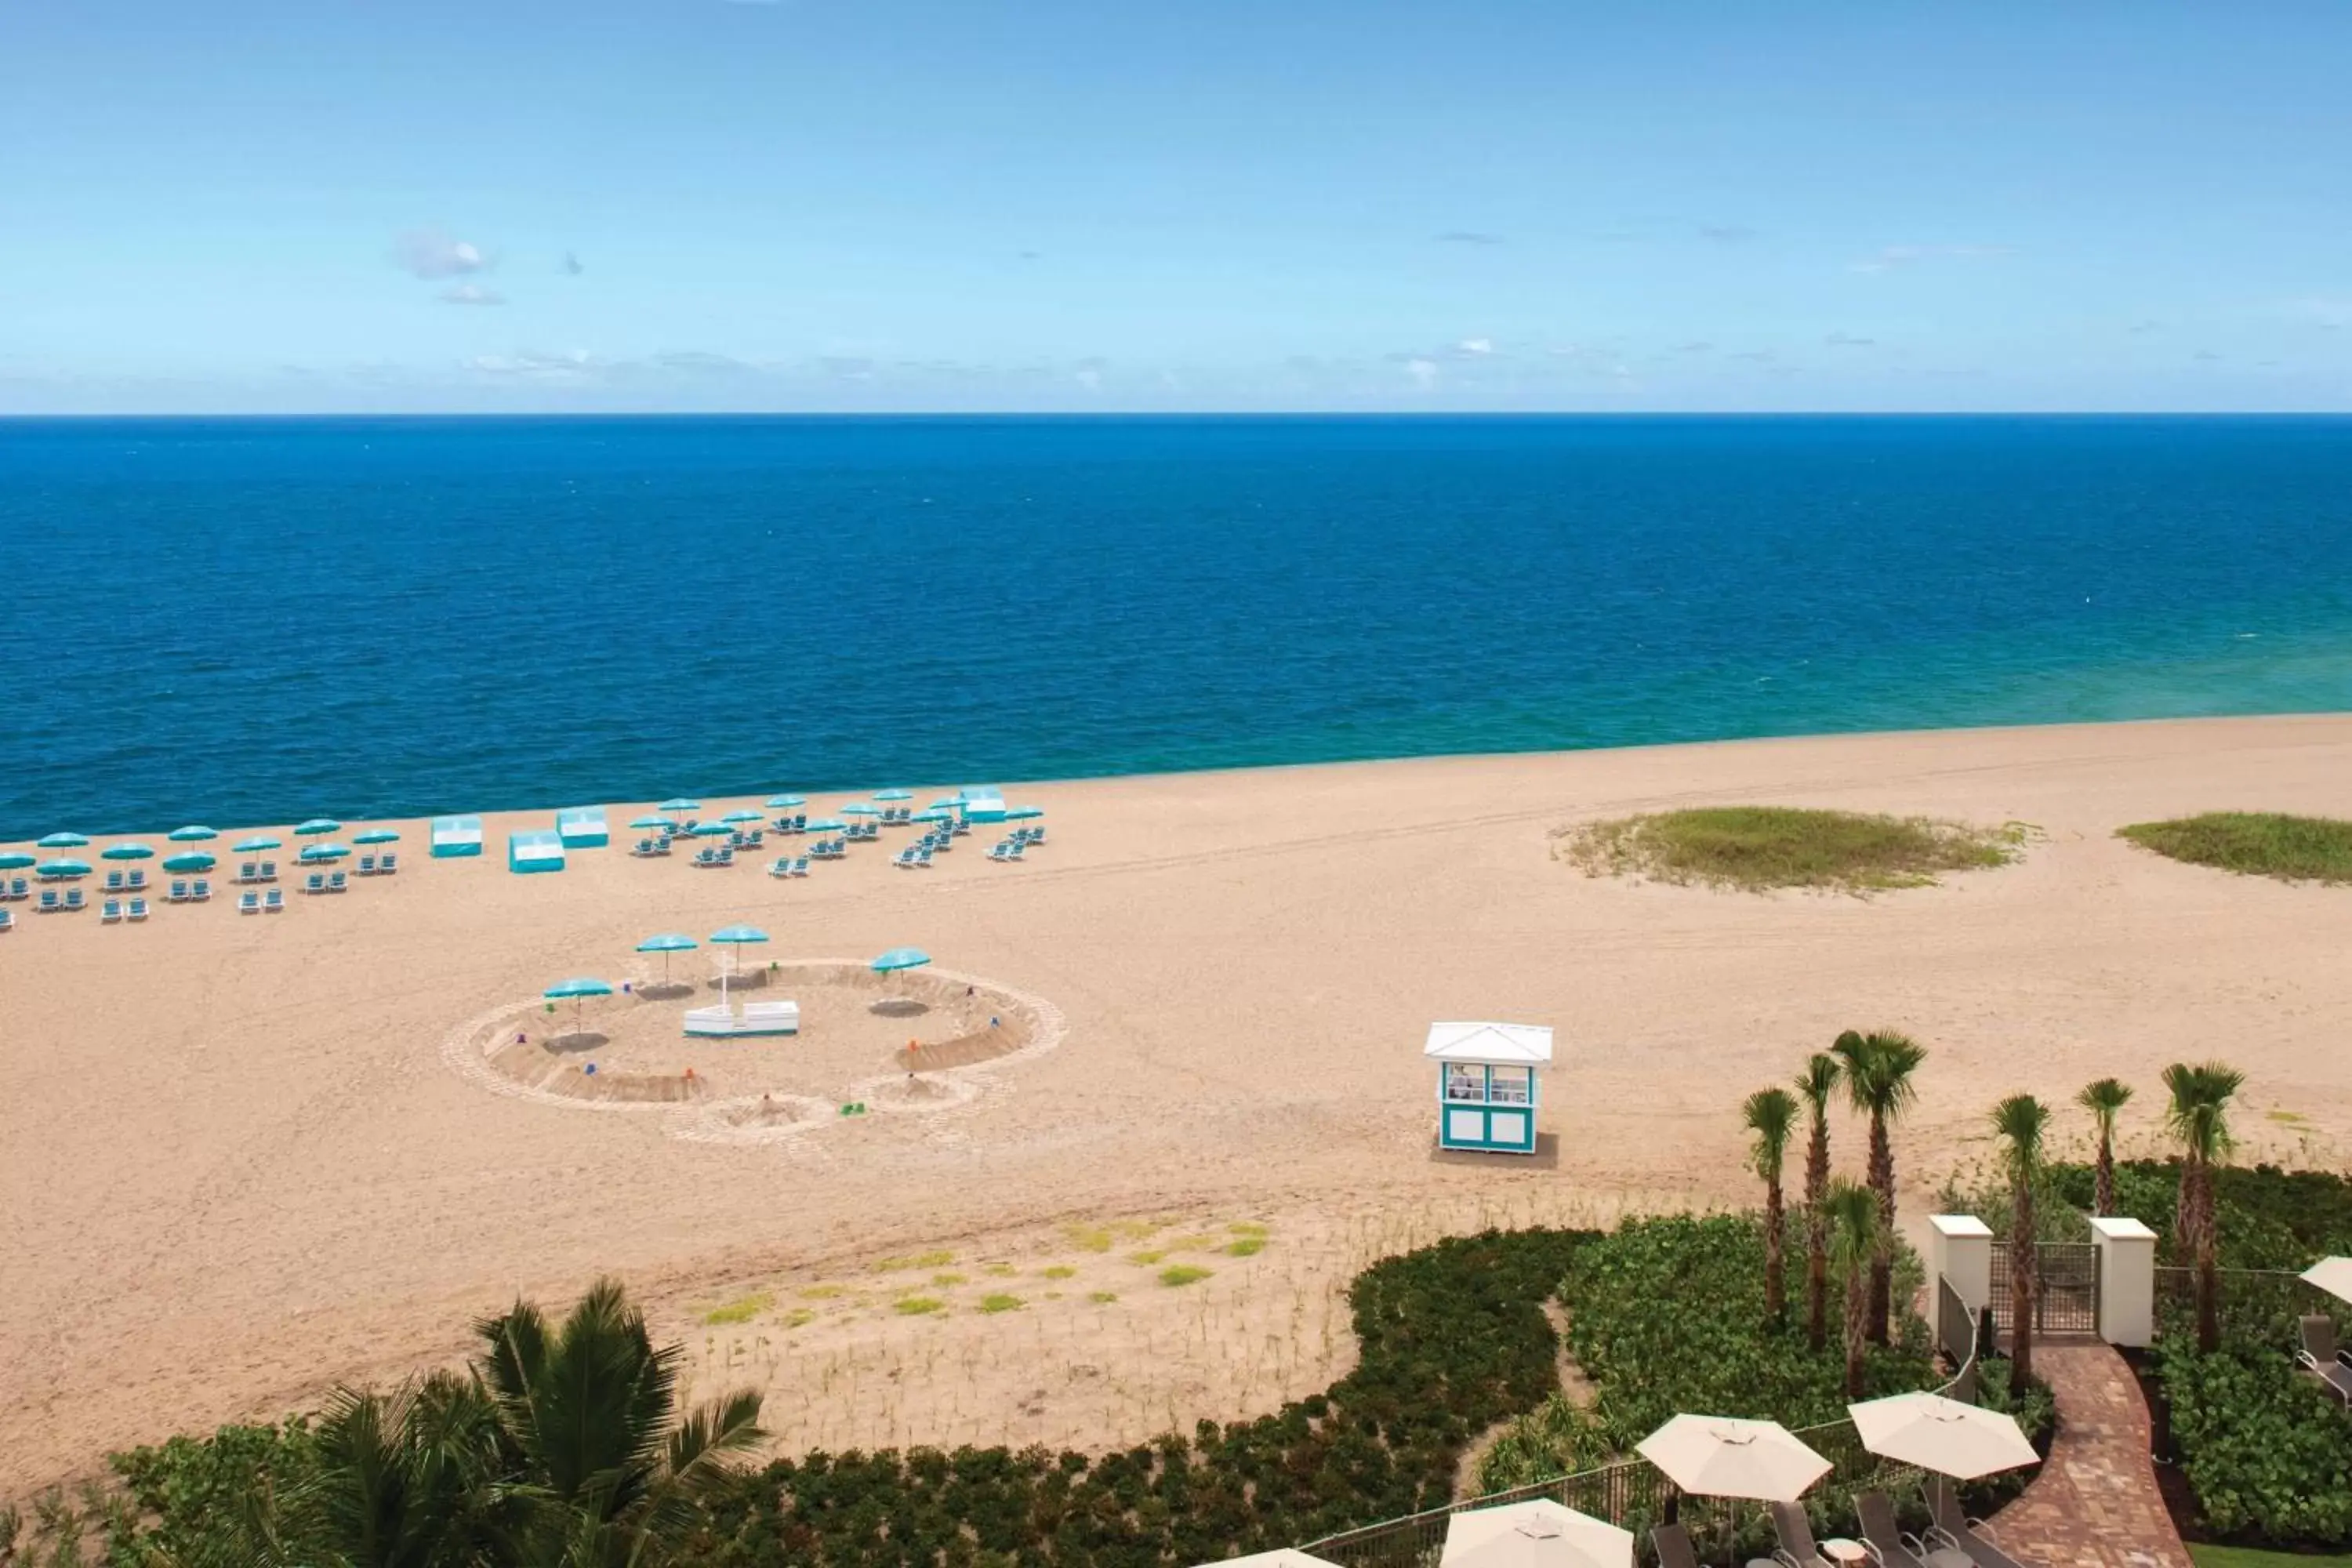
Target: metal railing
[{"x": 2066, "y": 1288}]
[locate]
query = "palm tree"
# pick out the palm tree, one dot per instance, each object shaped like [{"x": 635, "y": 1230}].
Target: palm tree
[
  {"x": 587, "y": 1411},
  {"x": 1853, "y": 1214},
  {"x": 1771, "y": 1115},
  {"x": 1878, "y": 1068},
  {"x": 2104, "y": 1099},
  {"x": 410, "y": 1479},
  {"x": 2199, "y": 1117},
  {"x": 2019, "y": 1121},
  {"x": 1816, "y": 1084}
]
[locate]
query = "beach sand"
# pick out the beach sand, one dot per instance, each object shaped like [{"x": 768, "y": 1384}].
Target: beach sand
[{"x": 247, "y": 1157}]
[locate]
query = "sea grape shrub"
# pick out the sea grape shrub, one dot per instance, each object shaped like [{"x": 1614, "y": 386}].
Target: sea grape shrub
[
  {"x": 2265, "y": 1450},
  {"x": 1454, "y": 1340},
  {"x": 2267, "y": 1217},
  {"x": 187, "y": 1489}
]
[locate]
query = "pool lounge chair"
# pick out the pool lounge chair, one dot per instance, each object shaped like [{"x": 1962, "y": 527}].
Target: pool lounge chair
[
  {"x": 1890, "y": 1547},
  {"x": 905, "y": 859},
  {"x": 112, "y": 913},
  {"x": 1673, "y": 1544},
  {"x": 137, "y": 908},
  {"x": 269, "y": 870},
  {"x": 726, "y": 855},
  {"x": 273, "y": 900},
  {"x": 336, "y": 883},
  {"x": 249, "y": 903},
  {"x": 781, "y": 867},
  {"x": 74, "y": 899},
  {"x": 49, "y": 905},
  {"x": 250, "y": 871},
  {"x": 2323, "y": 1358},
  {"x": 315, "y": 883},
  {"x": 1954, "y": 1531},
  {"x": 18, "y": 890},
  {"x": 178, "y": 895},
  {"x": 800, "y": 867},
  {"x": 200, "y": 892},
  {"x": 643, "y": 848},
  {"x": 1795, "y": 1530}
]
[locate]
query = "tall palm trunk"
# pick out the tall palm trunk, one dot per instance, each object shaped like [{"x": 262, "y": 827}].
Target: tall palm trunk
[
  {"x": 1776, "y": 1235},
  {"x": 2024, "y": 1281},
  {"x": 1817, "y": 1235},
  {"x": 2103, "y": 1193},
  {"x": 1857, "y": 1326},
  {"x": 1882, "y": 1261},
  {"x": 2204, "y": 1248}
]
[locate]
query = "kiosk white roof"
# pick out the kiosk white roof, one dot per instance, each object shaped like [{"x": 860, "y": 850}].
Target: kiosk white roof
[{"x": 1490, "y": 1045}]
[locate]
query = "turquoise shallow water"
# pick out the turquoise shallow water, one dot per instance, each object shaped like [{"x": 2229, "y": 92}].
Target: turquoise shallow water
[{"x": 256, "y": 620}]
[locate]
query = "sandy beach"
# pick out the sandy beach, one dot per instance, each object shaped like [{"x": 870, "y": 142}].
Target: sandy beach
[{"x": 247, "y": 1157}]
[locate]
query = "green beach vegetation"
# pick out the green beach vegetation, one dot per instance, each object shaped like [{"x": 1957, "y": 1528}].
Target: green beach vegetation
[
  {"x": 2253, "y": 844},
  {"x": 1756, "y": 849}
]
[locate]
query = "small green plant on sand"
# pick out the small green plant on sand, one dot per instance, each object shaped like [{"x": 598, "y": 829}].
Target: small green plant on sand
[
  {"x": 947, "y": 1280},
  {"x": 799, "y": 1318},
  {"x": 1102, "y": 1298},
  {"x": 1000, "y": 1302},
  {"x": 919, "y": 1260},
  {"x": 2254, "y": 843},
  {"x": 741, "y": 1311},
  {"x": 1089, "y": 1238},
  {"x": 1061, "y": 1271},
  {"x": 1756, "y": 848},
  {"x": 1250, "y": 1227},
  {"x": 1182, "y": 1274},
  {"x": 1148, "y": 1258},
  {"x": 999, "y": 1271},
  {"x": 1245, "y": 1246},
  {"x": 915, "y": 1305},
  {"x": 820, "y": 1292}
]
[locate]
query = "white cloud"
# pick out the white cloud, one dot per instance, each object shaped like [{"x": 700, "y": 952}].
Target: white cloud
[
  {"x": 471, "y": 294},
  {"x": 578, "y": 365},
  {"x": 431, "y": 254},
  {"x": 1477, "y": 348},
  {"x": 1891, "y": 256},
  {"x": 1423, "y": 371},
  {"x": 1089, "y": 378}
]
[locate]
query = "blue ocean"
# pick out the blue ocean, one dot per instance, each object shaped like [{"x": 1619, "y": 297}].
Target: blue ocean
[{"x": 250, "y": 621}]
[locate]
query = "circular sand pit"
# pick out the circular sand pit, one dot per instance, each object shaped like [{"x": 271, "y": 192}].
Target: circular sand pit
[{"x": 918, "y": 1042}]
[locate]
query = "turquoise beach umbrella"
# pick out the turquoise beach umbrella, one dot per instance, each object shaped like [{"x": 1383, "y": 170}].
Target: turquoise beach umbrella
[
  {"x": 180, "y": 865},
  {"x": 785, "y": 801},
  {"x": 859, "y": 808},
  {"x": 254, "y": 845},
  {"x": 317, "y": 825},
  {"x": 945, "y": 803},
  {"x": 376, "y": 835},
  {"x": 734, "y": 817},
  {"x": 61, "y": 841},
  {"x": 934, "y": 815},
  {"x": 15, "y": 861},
  {"x": 735, "y": 939},
  {"x": 679, "y": 804},
  {"x": 827, "y": 824},
  {"x": 650, "y": 822},
  {"x": 894, "y": 794},
  {"x": 900, "y": 958},
  {"x": 65, "y": 867},
  {"x": 316, "y": 853},
  {"x": 666, "y": 945},
  {"x": 126, "y": 852},
  {"x": 711, "y": 830},
  {"x": 191, "y": 833},
  {"x": 1023, "y": 813},
  {"x": 575, "y": 991}
]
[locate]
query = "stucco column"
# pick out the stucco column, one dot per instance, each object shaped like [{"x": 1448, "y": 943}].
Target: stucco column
[
  {"x": 2127, "y": 1281},
  {"x": 1961, "y": 1249}
]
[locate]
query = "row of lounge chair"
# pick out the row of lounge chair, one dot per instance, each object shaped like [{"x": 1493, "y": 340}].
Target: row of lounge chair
[
  {"x": 52, "y": 903},
  {"x": 269, "y": 903},
  {"x": 790, "y": 867},
  {"x": 1952, "y": 1540},
  {"x": 325, "y": 883},
  {"x": 113, "y": 913}
]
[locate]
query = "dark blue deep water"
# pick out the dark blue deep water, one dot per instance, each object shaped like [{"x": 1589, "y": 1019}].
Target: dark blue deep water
[{"x": 248, "y": 621}]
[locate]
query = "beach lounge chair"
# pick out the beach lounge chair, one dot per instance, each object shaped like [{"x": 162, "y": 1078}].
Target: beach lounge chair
[
  {"x": 112, "y": 913},
  {"x": 114, "y": 881},
  {"x": 800, "y": 867},
  {"x": 273, "y": 900},
  {"x": 49, "y": 904},
  {"x": 923, "y": 856},
  {"x": 1796, "y": 1533},
  {"x": 389, "y": 865},
  {"x": 1956, "y": 1532},
  {"x": 726, "y": 855},
  {"x": 178, "y": 895},
  {"x": 138, "y": 883},
  {"x": 781, "y": 867},
  {"x": 755, "y": 838},
  {"x": 137, "y": 908},
  {"x": 249, "y": 903},
  {"x": 2323, "y": 1358},
  {"x": 904, "y": 860},
  {"x": 250, "y": 871},
  {"x": 336, "y": 883},
  {"x": 18, "y": 890},
  {"x": 1890, "y": 1547},
  {"x": 200, "y": 892},
  {"x": 1673, "y": 1544},
  {"x": 74, "y": 899},
  {"x": 704, "y": 856},
  {"x": 1005, "y": 849},
  {"x": 643, "y": 848},
  {"x": 8, "y": 919},
  {"x": 315, "y": 883},
  {"x": 367, "y": 865},
  {"x": 269, "y": 870}
]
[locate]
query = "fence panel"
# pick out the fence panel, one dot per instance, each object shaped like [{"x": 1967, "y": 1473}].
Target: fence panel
[{"x": 2066, "y": 1288}]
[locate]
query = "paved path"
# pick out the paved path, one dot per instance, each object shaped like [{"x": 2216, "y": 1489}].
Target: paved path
[{"x": 2094, "y": 1504}]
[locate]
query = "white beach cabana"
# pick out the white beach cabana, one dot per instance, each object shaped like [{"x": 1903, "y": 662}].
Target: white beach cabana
[
  {"x": 1487, "y": 1084},
  {"x": 581, "y": 827},
  {"x": 533, "y": 850},
  {"x": 454, "y": 837},
  {"x": 980, "y": 803}
]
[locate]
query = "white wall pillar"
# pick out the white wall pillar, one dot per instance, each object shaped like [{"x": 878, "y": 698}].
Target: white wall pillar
[
  {"x": 1961, "y": 1249},
  {"x": 2127, "y": 1281}
]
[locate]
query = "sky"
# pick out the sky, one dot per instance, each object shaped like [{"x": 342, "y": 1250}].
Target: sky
[{"x": 615, "y": 205}]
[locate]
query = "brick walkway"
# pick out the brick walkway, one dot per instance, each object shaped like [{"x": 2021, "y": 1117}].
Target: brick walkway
[{"x": 2094, "y": 1504}]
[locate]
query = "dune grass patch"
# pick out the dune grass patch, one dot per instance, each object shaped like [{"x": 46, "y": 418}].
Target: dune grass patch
[
  {"x": 2253, "y": 844},
  {"x": 1102, "y": 1298},
  {"x": 1182, "y": 1274},
  {"x": 799, "y": 1318},
  {"x": 1061, "y": 1271},
  {"x": 947, "y": 1281},
  {"x": 998, "y": 1301},
  {"x": 1756, "y": 849},
  {"x": 919, "y": 1260},
  {"x": 741, "y": 1311},
  {"x": 1148, "y": 1258},
  {"x": 1244, "y": 1247},
  {"x": 915, "y": 1305},
  {"x": 820, "y": 1292}
]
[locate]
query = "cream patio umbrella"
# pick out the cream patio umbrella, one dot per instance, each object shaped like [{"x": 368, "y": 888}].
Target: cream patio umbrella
[
  {"x": 1941, "y": 1434},
  {"x": 1283, "y": 1557},
  {"x": 1721, "y": 1455},
  {"x": 2333, "y": 1275},
  {"x": 1538, "y": 1535}
]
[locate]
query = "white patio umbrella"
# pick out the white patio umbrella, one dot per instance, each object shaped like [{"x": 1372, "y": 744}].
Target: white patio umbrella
[
  {"x": 1721, "y": 1455},
  {"x": 1282, "y": 1557},
  {"x": 1538, "y": 1535},
  {"x": 1941, "y": 1434},
  {"x": 2333, "y": 1275}
]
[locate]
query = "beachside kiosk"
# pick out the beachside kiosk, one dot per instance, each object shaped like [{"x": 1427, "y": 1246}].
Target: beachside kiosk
[{"x": 1487, "y": 1084}]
